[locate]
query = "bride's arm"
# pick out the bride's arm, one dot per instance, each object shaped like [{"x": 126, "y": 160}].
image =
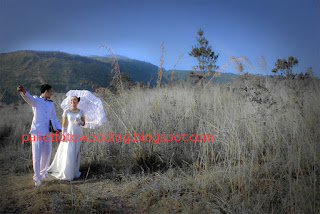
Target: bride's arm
[
  {"x": 83, "y": 119},
  {"x": 64, "y": 124}
]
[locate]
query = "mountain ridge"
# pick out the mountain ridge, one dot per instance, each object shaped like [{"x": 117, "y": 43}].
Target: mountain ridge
[{"x": 66, "y": 71}]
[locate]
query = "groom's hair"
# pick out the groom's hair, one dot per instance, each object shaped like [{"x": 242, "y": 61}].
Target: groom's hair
[{"x": 45, "y": 87}]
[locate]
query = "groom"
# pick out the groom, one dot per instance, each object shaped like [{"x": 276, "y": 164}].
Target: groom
[{"x": 43, "y": 114}]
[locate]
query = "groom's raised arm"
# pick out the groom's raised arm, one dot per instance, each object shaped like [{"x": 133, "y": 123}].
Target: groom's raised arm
[{"x": 26, "y": 96}]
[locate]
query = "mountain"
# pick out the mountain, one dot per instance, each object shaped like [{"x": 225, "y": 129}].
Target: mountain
[
  {"x": 68, "y": 71},
  {"x": 110, "y": 56},
  {"x": 137, "y": 70},
  {"x": 63, "y": 71}
]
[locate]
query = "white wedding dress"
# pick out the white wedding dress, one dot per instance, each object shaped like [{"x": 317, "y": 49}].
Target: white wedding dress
[{"x": 66, "y": 163}]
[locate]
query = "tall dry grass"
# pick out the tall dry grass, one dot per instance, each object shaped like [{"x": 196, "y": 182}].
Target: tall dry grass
[{"x": 264, "y": 158}]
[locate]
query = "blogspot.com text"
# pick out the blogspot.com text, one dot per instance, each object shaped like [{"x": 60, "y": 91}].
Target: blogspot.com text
[{"x": 126, "y": 138}]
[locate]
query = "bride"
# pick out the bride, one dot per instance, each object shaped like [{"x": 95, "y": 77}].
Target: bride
[{"x": 66, "y": 163}]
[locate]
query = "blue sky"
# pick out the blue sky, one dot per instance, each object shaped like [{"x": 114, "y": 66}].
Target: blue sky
[{"x": 136, "y": 29}]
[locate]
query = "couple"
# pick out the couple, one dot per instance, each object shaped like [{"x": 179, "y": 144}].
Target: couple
[{"x": 66, "y": 163}]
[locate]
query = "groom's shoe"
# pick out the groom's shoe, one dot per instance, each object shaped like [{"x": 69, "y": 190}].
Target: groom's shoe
[{"x": 37, "y": 183}]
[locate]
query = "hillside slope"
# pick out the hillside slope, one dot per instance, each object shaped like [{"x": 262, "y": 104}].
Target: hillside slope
[{"x": 61, "y": 70}]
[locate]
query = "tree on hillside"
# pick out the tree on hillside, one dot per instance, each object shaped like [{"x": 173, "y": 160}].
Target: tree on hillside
[
  {"x": 285, "y": 66},
  {"x": 204, "y": 54}
]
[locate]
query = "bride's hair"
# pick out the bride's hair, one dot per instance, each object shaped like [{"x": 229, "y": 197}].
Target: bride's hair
[{"x": 77, "y": 98}]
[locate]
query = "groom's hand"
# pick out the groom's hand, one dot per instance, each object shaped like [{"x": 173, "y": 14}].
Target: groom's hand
[{"x": 21, "y": 89}]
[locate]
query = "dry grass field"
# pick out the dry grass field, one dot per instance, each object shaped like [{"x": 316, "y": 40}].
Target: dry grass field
[{"x": 264, "y": 158}]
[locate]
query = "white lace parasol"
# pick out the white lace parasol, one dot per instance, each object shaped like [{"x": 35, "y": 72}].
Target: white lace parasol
[{"x": 91, "y": 106}]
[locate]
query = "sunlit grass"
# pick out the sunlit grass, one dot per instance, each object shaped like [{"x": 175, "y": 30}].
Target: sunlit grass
[{"x": 264, "y": 158}]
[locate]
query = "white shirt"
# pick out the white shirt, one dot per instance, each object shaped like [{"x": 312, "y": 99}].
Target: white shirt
[{"x": 43, "y": 112}]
